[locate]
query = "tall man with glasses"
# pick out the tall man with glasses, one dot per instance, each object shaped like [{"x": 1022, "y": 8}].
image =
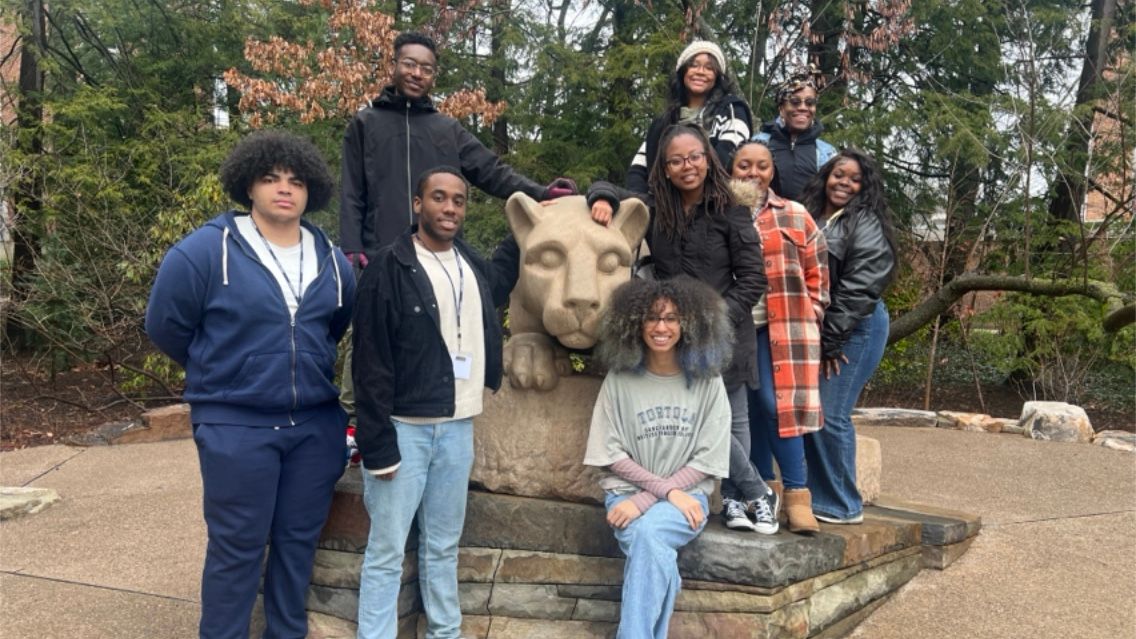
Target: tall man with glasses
[
  {"x": 390, "y": 142},
  {"x": 428, "y": 343}
]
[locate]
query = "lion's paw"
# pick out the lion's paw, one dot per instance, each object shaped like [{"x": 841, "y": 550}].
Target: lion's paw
[{"x": 535, "y": 360}]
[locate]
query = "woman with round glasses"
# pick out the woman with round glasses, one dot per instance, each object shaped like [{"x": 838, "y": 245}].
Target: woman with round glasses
[
  {"x": 703, "y": 94},
  {"x": 660, "y": 432},
  {"x": 698, "y": 230},
  {"x": 794, "y": 136}
]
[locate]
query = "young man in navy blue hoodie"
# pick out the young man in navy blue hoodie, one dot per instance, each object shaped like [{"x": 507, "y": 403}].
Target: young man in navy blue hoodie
[{"x": 252, "y": 305}]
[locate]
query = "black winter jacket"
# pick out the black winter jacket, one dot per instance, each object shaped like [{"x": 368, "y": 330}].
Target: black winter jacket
[
  {"x": 721, "y": 250},
  {"x": 861, "y": 262},
  {"x": 796, "y": 160},
  {"x": 401, "y": 365},
  {"x": 387, "y": 146},
  {"x": 727, "y": 123}
]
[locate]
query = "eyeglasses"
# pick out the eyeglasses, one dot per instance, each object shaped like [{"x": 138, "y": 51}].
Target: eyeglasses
[
  {"x": 796, "y": 102},
  {"x": 410, "y": 66},
  {"x": 677, "y": 163},
  {"x": 667, "y": 320}
]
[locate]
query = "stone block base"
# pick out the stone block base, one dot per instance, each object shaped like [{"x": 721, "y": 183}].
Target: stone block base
[{"x": 542, "y": 568}]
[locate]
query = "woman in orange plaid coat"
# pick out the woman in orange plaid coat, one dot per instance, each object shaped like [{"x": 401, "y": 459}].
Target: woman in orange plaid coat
[{"x": 788, "y": 319}]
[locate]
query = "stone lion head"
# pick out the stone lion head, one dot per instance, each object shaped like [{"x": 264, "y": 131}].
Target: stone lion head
[{"x": 570, "y": 264}]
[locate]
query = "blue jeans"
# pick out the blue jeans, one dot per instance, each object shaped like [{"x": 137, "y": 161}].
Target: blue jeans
[
  {"x": 432, "y": 481},
  {"x": 650, "y": 575},
  {"x": 831, "y": 451},
  {"x": 264, "y": 485},
  {"x": 744, "y": 482},
  {"x": 766, "y": 442}
]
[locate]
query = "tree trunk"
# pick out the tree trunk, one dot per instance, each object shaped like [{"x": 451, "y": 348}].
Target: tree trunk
[
  {"x": 27, "y": 198},
  {"x": 1069, "y": 186},
  {"x": 495, "y": 90}
]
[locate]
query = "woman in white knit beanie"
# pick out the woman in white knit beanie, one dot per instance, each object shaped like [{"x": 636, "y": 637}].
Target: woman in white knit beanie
[{"x": 702, "y": 93}]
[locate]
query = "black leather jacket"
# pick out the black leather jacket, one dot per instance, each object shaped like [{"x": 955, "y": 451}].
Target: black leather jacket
[{"x": 861, "y": 263}]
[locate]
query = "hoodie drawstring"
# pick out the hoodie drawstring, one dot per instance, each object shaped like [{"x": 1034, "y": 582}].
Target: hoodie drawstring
[
  {"x": 225, "y": 256},
  {"x": 338, "y": 281}
]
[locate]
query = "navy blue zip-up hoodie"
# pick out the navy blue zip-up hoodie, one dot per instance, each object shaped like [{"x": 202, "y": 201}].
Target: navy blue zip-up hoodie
[{"x": 219, "y": 312}]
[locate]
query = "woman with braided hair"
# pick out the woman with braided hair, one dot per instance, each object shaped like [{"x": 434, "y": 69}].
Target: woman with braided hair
[{"x": 661, "y": 433}]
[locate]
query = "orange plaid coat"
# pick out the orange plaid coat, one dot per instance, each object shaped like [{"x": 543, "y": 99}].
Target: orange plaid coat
[{"x": 796, "y": 264}]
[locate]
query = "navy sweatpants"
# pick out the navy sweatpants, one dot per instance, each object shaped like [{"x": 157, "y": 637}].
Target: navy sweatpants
[{"x": 264, "y": 485}]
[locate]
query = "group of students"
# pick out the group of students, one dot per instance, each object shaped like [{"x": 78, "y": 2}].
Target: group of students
[{"x": 760, "y": 323}]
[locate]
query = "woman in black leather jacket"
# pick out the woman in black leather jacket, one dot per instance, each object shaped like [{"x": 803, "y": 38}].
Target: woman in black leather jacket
[
  {"x": 846, "y": 198},
  {"x": 698, "y": 230}
]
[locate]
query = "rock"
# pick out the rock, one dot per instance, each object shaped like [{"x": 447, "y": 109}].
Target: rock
[
  {"x": 1009, "y": 425},
  {"x": 596, "y": 610},
  {"x": 973, "y": 422},
  {"x": 518, "y": 566},
  {"x": 1116, "y": 440},
  {"x": 328, "y": 627},
  {"x": 939, "y": 526},
  {"x": 513, "y": 628},
  {"x": 538, "y": 601},
  {"x": 158, "y": 425},
  {"x": 474, "y": 598},
  {"x": 939, "y": 557},
  {"x": 478, "y": 565},
  {"x": 841, "y": 599},
  {"x": 869, "y": 468},
  {"x": 531, "y": 444},
  {"x": 525, "y": 523},
  {"x": 1055, "y": 421},
  {"x": 16, "y": 501},
  {"x": 894, "y": 417}
]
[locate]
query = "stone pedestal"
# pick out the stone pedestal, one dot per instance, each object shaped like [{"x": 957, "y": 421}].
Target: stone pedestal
[{"x": 531, "y": 444}]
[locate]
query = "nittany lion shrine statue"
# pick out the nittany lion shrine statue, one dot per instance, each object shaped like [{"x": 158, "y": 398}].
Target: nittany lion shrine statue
[
  {"x": 537, "y": 558},
  {"x": 569, "y": 267}
]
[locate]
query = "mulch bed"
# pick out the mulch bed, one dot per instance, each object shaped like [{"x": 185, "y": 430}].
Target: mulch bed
[{"x": 38, "y": 409}]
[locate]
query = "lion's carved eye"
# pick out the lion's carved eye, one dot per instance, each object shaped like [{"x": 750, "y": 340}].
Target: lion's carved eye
[
  {"x": 608, "y": 262},
  {"x": 549, "y": 258}
]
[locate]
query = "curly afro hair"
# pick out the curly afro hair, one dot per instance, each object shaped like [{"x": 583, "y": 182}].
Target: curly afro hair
[
  {"x": 261, "y": 152},
  {"x": 706, "y": 344}
]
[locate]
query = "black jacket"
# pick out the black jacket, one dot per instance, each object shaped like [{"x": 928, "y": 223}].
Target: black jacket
[
  {"x": 387, "y": 146},
  {"x": 861, "y": 262},
  {"x": 401, "y": 365},
  {"x": 796, "y": 160},
  {"x": 717, "y": 120},
  {"x": 721, "y": 250}
]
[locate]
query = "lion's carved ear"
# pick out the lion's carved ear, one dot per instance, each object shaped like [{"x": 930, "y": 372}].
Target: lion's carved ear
[
  {"x": 523, "y": 213},
  {"x": 632, "y": 220}
]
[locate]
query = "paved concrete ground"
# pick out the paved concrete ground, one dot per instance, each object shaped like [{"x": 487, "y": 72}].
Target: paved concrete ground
[
  {"x": 1057, "y": 552},
  {"x": 119, "y": 557}
]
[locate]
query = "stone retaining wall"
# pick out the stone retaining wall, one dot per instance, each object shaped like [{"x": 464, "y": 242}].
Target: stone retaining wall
[{"x": 542, "y": 568}]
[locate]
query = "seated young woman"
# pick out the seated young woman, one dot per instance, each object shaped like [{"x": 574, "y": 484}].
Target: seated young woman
[
  {"x": 697, "y": 229},
  {"x": 661, "y": 431}
]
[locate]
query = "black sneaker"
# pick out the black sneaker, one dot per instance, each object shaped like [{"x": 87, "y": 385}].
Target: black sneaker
[
  {"x": 734, "y": 513},
  {"x": 765, "y": 510}
]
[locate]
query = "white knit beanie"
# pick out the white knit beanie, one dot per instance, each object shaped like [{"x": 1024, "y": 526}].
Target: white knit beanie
[{"x": 701, "y": 46}]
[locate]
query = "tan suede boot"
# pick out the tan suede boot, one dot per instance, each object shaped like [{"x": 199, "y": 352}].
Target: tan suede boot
[{"x": 799, "y": 507}]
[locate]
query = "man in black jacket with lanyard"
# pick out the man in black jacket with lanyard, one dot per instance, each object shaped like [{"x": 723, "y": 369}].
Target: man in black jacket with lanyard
[{"x": 428, "y": 344}]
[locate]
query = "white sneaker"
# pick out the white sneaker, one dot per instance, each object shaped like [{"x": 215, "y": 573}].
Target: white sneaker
[
  {"x": 734, "y": 512},
  {"x": 829, "y": 519}
]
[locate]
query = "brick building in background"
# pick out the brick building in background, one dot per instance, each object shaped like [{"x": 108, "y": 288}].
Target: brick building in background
[{"x": 9, "y": 72}]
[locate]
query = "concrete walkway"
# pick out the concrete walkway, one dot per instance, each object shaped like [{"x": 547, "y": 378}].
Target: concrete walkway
[{"x": 120, "y": 556}]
